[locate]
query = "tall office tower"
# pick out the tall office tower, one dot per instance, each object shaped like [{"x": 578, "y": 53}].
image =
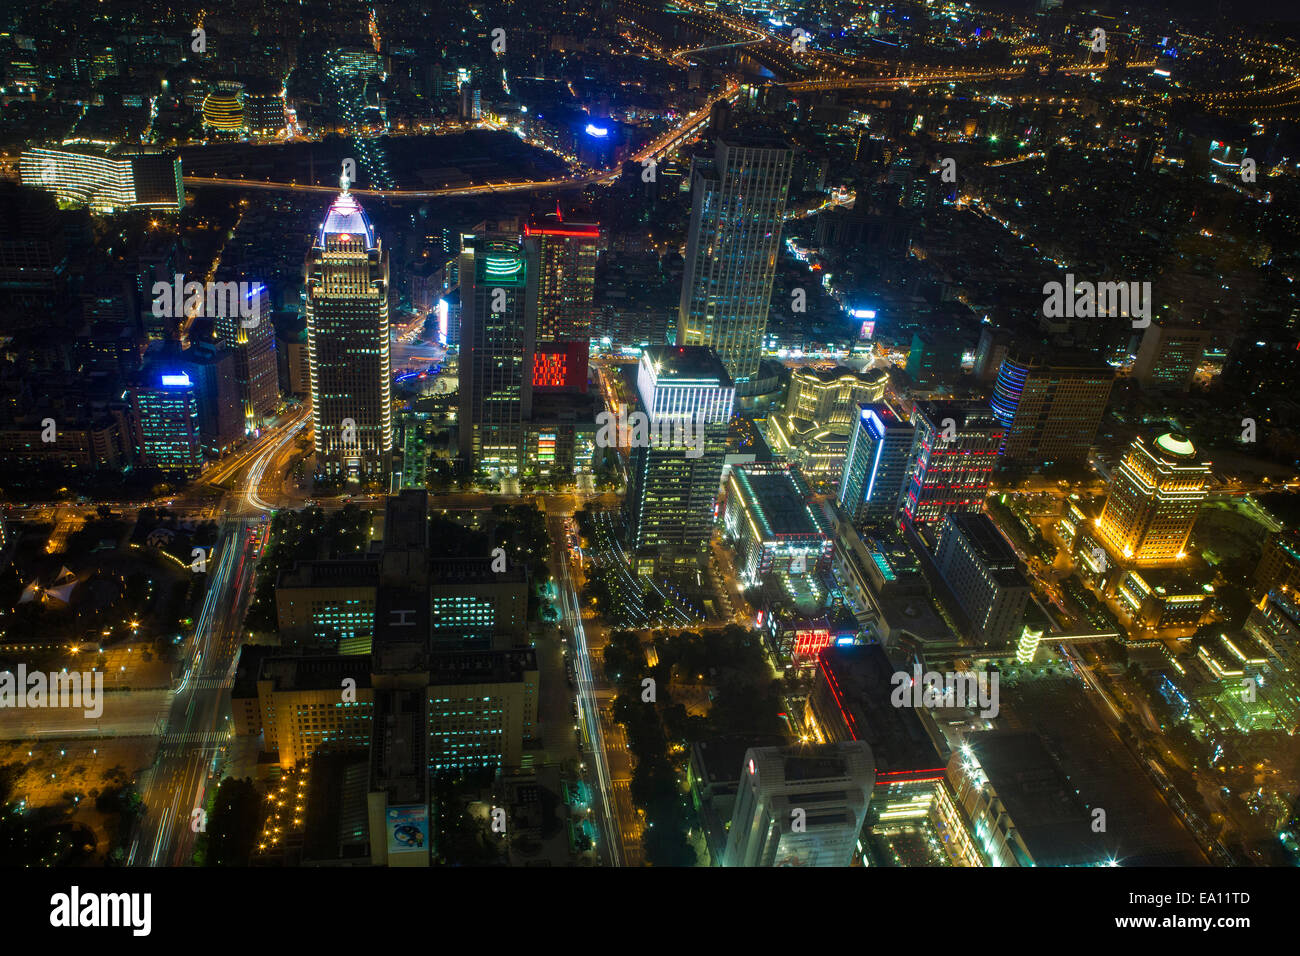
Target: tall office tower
[
  {"x": 498, "y": 291},
  {"x": 875, "y": 470},
  {"x": 211, "y": 368},
  {"x": 954, "y": 453},
  {"x": 830, "y": 783},
  {"x": 1050, "y": 407},
  {"x": 1155, "y": 496},
  {"x": 348, "y": 344},
  {"x": 983, "y": 573},
  {"x": 567, "y": 250},
  {"x": 165, "y": 416},
  {"x": 1169, "y": 356},
  {"x": 675, "y": 478},
  {"x": 252, "y": 341},
  {"x": 738, "y": 207}
]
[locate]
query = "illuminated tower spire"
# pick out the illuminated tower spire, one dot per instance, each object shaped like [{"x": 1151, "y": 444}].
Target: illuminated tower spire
[{"x": 348, "y": 344}]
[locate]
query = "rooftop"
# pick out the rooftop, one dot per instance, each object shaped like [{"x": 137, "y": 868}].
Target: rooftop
[
  {"x": 346, "y": 218},
  {"x": 860, "y": 681},
  {"x": 690, "y": 362},
  {"x": 778, "y": 500}
]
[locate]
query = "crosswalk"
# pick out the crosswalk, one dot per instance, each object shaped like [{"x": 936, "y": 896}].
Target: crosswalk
[
  {"x": 196, "y": 738},
  {"x": 212, "y": 683}
]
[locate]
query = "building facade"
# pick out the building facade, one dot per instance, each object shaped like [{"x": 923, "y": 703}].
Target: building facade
[
  {"x": 876, "y": 469},
  {"x": 830, "y": 783},
  {"x": 954, "y": 453},
  {"x": 1050, "y": 407},
  {"x": 348, "y": 345},
  {"x": 984, "y": 576},
  {"x": 499, "y": 279},
  {"x": 1154, "y": 498},
  {"x": 686, "y": 397},
  {"x": 738, "y": 208}
]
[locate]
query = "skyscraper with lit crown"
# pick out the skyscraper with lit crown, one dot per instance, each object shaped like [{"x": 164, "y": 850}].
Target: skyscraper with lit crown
[
  {"x": 348, "y": 344},
  {"x": 1155, "y": 496}
]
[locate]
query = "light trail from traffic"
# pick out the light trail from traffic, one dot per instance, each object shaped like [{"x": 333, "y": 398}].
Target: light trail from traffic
[{"x": 590, "y": 707}]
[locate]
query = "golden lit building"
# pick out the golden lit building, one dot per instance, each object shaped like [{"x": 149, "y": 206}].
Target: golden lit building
[
  {"x": 1155, "y": 496},
  {"x": 223, "y": 108},
  {"x": 821, "y": 410}
]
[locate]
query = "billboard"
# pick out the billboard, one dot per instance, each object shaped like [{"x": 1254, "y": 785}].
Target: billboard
[
  {"x": 408, "y": 829},
  {"x": 560, "y": 367},
  {"x": 807, "y": 644}
]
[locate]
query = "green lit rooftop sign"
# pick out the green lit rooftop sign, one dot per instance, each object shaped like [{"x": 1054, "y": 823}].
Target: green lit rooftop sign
[
  {"x": 1175, "y": 445},
  {"x": 501, "y": 269}
]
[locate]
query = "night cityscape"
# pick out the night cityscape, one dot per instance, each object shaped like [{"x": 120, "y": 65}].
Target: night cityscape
[{"x": 650, "y": 433}]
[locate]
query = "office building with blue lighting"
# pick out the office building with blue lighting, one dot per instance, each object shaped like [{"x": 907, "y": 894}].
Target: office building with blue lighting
[
  {"x": 165, "y": 413},
  {"x": 876, "y": 469}
]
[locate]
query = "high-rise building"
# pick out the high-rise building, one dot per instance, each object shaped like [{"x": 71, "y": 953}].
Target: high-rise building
[
  {"x": 348, "y": 344},
  {"x": 106, "y": 180},
  {"x": 1050, "y": 407},
  {"x": 567, "y": 251},
  {"x": 984, "y": 576},
  {"x": 769, "y": 512},
  {"x": 1169, "y": 356},
  {"x": 165, "y": 413},
  {"x": 676, "y": 470},
  {"x": 800, "y": 805},
  {"x": 1154, "y": 498},
  {"x": 1279, "y": 565},
  {"x": 955, "y": 451},
  {"x": 876, "y": 468},
  {"x": 498, "y": 291},
  {"x": 738, "y": 207},
  {"x": 252, "y": 342},
  {"x": 212, "y": 370}
]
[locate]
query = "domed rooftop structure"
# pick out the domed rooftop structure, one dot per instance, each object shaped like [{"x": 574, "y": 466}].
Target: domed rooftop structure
[
  {"x": 1176, "y": 444},
  {"x": 347, "y": 220}
]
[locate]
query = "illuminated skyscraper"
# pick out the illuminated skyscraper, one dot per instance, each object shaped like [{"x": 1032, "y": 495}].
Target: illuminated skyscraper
[
  {"x": 801, "y": 805},
  {"x": 348, "y": 344},
  {"x": 955, "y": 450},
  {"x": 252, "y": 341},
  {"x": 676, "y": 465},
  {"x": 875, "y": 470},
  {"x": 1155, "y": 496},
  {"x": 567, "y": 250},
  {"x": 738, "y": 207},
  {"x": 165, "y": 413},
  {"x": 498, "y": 291},
  {"x": 1051, "y": 407}
]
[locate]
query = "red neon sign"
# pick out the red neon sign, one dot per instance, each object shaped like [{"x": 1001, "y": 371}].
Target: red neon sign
[{"x": 572, "y": 233}]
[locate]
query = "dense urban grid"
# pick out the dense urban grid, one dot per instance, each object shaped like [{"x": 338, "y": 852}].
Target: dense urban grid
[{"x": 621, "y": 433}]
